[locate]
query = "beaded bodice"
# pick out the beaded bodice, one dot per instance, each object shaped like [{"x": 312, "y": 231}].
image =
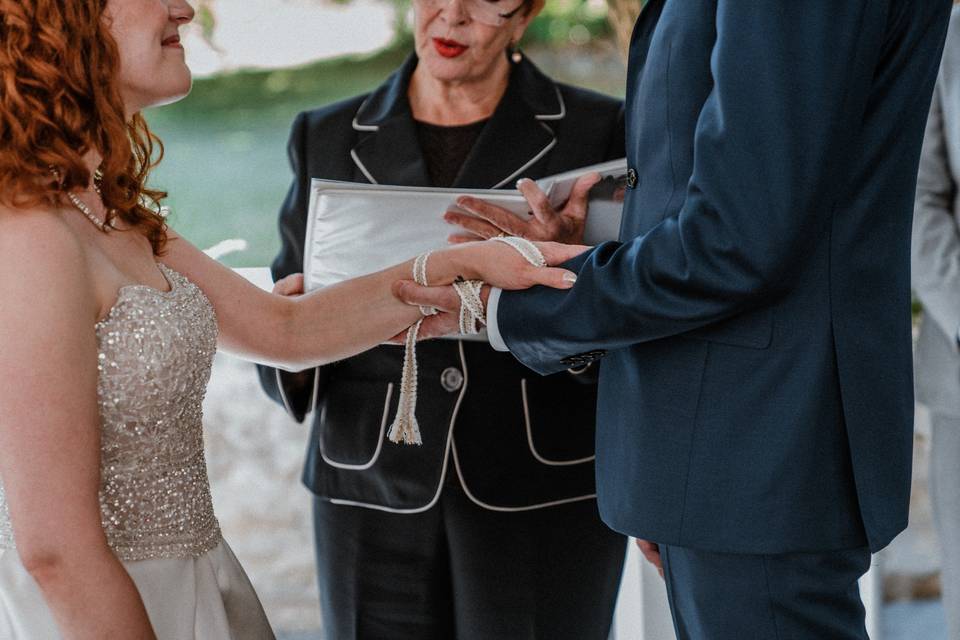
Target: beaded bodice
[{"x": 155, "y": 353}]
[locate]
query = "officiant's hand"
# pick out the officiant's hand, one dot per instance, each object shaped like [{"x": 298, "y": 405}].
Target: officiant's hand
[
  {"x": 292, "y": 285},
  {"x": 487, "y": 220}
]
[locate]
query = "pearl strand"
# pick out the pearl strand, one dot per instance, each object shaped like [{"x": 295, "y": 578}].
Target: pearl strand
[{"x": 82, "y": 206}]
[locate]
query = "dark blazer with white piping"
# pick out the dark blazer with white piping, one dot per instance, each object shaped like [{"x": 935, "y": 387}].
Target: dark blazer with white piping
[{"x": 514, "y": 441}]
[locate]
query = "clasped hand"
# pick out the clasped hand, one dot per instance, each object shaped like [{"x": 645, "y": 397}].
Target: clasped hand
[{"x": 499, "y": 265}]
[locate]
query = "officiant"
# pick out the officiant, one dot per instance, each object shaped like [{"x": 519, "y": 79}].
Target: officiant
[{"x": 490, "y": 527}]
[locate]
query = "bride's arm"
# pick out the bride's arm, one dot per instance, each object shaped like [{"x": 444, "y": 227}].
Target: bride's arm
[
  {"x": 342, "y": 320},
  {"x": 50, "y": 434}
]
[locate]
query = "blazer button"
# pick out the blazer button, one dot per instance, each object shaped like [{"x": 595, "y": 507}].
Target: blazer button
[
  {"x": 631, "y": 178},
  {"x": 451, "y": 379}
]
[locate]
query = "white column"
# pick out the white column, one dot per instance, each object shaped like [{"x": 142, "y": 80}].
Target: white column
[{"x": 871, "y": 591}]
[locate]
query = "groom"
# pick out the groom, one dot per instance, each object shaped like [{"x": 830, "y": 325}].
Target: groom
[{"x": 755, "y": 413}]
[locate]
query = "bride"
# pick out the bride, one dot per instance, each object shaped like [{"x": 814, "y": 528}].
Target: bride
[{"x": 108, "y": 325}]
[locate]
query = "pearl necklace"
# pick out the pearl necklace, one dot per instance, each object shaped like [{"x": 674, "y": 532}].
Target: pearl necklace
[{"x": 82, "y": 206}]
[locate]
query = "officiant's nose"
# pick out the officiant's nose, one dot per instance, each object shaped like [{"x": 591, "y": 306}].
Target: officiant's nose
[
  {"x": 181, "y": 11},
  {"x": 454, "y": 12}
]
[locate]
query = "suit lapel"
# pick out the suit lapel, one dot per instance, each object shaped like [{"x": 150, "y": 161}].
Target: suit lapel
[
  {"x": 518, "y": 135},
  {"x": 391, "y": 155},
  {"x": 388, "y": 150},
  {"x": 640, "y": 42},
  {"x": 512, "y": 141}
]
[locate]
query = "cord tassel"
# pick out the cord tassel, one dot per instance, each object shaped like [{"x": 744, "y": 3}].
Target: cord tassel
[{"x": 405, "y": 429}]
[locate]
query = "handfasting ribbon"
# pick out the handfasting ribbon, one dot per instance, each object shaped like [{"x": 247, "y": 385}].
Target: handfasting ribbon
[{"x": 405, "y": 428}]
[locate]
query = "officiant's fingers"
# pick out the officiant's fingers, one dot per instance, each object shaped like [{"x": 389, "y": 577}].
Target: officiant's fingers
[
  {"x": 476, "y": 226},
  {"x": 493, "y": 220},
  {"x": 440, "y": 298},
  {"x": 537, "y": 199},
  {"x": 292, "y": 285},
  {"x": 577, "y": 204}
]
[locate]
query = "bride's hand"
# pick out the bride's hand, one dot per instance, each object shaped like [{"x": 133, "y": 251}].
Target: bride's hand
[{"x": 500, "y": 265}]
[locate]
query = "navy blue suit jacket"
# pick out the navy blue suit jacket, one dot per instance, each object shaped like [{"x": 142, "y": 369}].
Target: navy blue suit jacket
[{"x": 756, "y": 395}]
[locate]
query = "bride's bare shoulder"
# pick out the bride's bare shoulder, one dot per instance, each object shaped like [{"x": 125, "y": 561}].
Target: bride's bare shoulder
[{"x": 38, "y": 245}]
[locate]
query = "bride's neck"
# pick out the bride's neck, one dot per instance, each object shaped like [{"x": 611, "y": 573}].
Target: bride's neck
[{"x": 93, "y": 159}]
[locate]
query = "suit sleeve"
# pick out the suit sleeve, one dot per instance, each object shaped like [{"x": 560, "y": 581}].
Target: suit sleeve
[
  {"x": 590, "y": 373},
  {"x": 790, "y": 84},
  {"x": 936, "y": 239},
  {"x": 295, "y": 391}
]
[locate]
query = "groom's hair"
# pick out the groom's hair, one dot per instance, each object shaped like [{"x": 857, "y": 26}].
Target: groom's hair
[{"x": 59, "y": 99}]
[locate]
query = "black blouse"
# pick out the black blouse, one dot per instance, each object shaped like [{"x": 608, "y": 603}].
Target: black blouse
[{"x": 445, "y": 149}]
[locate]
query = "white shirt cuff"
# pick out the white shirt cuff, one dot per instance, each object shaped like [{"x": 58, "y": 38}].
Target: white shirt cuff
[{"x": 493, "y": 331}]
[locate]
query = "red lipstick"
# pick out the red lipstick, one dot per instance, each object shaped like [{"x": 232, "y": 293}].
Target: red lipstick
[{"x": 449, "y": 48}]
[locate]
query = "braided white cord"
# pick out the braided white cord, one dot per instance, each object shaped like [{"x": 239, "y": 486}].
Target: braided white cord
[
  {"x": 405, "y": 428},
  {"x": 471, "y": 306},
  {"x": 526, "y": 248},
  {"x": 420, "y": 277}
]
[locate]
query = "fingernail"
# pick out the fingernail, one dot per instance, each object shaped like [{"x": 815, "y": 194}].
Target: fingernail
[
  {"x": 520, "y": 182},
  {"x": 570, "y": 277}
]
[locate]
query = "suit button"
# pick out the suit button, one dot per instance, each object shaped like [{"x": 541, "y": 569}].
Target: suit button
[
  {"x": 631, "y": 178},
  {"x": 451, "y": 379}
]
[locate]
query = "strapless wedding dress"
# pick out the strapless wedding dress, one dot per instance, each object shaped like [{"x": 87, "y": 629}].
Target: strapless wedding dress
[{"x": 155, "y": 353}]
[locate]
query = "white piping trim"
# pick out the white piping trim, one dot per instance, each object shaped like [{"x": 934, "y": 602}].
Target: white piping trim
[
  {"x": 490, "y": 507},
  {"x": 446, "y": 457},
  {"x": 563, "y": 108},
  {"x": 316, "y": 390},
  {"x": 283, "y": 395},
  {"x": 363, "y": 127},
  {"x": 533, "y": 449},
  {"x": 376, "y": 454},
  {"x": 535, "y": 158},
  {"x": 356, "y": 159}
]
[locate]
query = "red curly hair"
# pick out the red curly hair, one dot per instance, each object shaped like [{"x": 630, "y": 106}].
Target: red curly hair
[{"x": 59, "y": 99}]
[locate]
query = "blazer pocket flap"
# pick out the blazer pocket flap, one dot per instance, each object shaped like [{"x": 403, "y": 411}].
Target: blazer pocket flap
[{"x": 354, "y": 423}]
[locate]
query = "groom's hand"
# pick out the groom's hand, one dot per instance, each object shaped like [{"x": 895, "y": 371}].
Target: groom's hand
[
  {"x": 444, "y": 299},
  {"x": 651, "y": 551}
]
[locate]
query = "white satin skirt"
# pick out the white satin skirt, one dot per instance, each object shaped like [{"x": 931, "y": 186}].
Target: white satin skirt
[{"x": 204, "y": 598}]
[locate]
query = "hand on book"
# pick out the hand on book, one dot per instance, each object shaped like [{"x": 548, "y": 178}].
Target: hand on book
[{"x": 488, "y": 220}]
